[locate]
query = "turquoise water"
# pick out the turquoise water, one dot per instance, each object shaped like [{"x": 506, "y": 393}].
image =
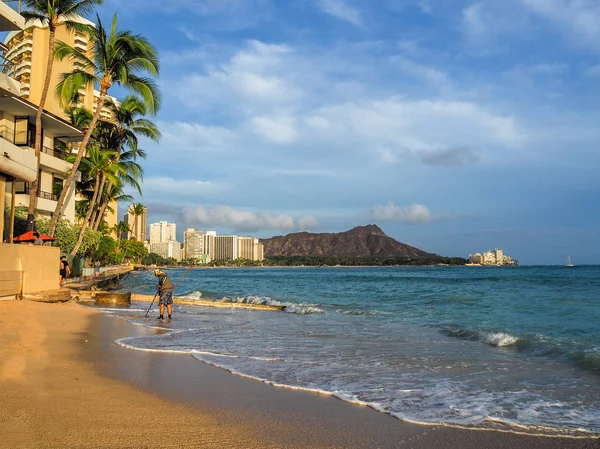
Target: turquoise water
[{"x": 515, "y": 347}]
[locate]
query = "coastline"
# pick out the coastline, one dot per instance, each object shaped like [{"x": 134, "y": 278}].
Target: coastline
[{"x": 61, "y": 373}]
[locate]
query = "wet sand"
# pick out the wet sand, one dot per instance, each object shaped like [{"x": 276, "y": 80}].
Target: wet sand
[{"x": 65, "y": 383}]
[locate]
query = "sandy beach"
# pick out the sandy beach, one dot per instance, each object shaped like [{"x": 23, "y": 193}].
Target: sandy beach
[{"x": 66, "y": 384}]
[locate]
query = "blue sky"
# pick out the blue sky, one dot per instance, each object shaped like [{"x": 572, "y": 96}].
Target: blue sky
[{"x": 456, "y": 126}]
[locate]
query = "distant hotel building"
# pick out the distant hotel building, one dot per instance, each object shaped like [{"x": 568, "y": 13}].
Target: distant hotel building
[
  {"x": 226, "y": 247},
  {"x": 163, "y": 232},
  {"x": 492, "y": 257},
  {"x": 137, "y": 224},
  {"x": 163, "y": 240},
  {"x": 208, "y": 246}
]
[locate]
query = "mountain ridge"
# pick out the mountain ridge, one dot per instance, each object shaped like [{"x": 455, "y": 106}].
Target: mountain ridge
[{"x": 360, "y": 241}]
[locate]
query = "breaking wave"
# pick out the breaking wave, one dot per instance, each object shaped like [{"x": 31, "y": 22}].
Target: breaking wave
[{"x": 298, "y": 308}]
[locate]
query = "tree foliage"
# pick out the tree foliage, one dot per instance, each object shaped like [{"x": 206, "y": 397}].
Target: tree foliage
[{"x": 66, "y": 233}]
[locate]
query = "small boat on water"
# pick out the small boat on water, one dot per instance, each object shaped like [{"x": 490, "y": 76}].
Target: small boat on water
[{"x": 569, "y": 264}]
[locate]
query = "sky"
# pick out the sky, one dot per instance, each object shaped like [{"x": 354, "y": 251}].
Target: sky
[{"x": 457, "y": 126}]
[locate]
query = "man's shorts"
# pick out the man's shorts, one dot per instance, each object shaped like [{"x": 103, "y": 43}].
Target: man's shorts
[{"x": 166, "y": 298}]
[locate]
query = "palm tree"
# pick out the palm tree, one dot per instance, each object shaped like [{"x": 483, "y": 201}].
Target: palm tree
[
  {"x": 137, "y": 210},
  {"x": 119, "y": 57},
  {"x": 129, "y": 124},
  {"x": 115, "y": 194},
  {"x": 120, "y": 229},
  {"x": 50, "y": 13},
  {"x": 130, "y": 174},
  {"x": 98, "y": 163}
]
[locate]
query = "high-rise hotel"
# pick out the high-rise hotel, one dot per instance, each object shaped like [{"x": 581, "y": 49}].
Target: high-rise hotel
[
  {"x": 209, "y": 246},
  {"x": 18, "y": 109},
  {"x": 25, "y": 59},
  {"x": 163, "y": 240}
]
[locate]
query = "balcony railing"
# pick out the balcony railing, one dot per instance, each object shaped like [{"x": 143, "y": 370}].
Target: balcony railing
[
  {"x": 6, "y": 67},
  {"x": 54, "y": 153},
  {"x": 40, "y": 194}
]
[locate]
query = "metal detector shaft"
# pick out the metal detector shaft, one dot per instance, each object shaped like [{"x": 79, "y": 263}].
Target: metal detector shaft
[
  {"x": 148, "y": 311},
  {"x": 181, "y": 278}
]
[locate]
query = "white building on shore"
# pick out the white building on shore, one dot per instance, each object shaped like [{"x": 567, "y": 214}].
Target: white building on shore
[
  {"x": 163, "y": 240},
  {"x": 492, "y": 257}
]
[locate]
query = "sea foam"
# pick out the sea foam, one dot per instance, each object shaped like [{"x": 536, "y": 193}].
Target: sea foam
[{"x": 499, "y": 339}]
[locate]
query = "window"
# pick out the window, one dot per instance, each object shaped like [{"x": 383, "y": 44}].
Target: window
[
  {"x": 21, "y": 130},
  {"x": 24, "y": 132},
  {"x": 57, "y": 186}
]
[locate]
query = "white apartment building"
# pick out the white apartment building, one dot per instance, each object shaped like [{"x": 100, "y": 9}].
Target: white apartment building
[
  {"x": 163, "y": 232},
  {"x": 208, "y": 242},
  {"x": 244, "y": 248},
  {"x": 163, "y": 240},
  {"x": 258, "y": 250},
  {"x": 193, "y": 244},
  {"x": 167, "y": 249}
]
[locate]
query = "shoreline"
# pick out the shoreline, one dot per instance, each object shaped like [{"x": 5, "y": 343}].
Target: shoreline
[{"x": 62, "y": 373}]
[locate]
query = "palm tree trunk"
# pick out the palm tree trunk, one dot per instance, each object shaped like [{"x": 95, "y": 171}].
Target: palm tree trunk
[
  {"x": 84, "y": 225},
  {"x": 103, "y": 208},
  {"x": 38, "y": 133},
  {"x": 82, "y": 149},
  {"x": 92, "y": 218},
  {"x": 101, "y": 211}
]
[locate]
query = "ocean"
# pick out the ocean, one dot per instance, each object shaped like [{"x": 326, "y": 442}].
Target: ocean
[{"x": 511, "y": 348}]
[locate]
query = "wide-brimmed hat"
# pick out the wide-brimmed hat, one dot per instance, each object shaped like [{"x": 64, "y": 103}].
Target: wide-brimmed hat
[{"x": 156, "y": 271}]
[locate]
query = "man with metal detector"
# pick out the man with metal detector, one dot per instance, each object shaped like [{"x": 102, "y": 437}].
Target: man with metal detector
[{"x": 165, "y": 290}]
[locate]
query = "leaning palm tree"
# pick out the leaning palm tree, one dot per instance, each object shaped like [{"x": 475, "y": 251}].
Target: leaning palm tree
[
  {"x": 51, "y": 13},
  {"x": 114, "y": 195},
  {"x": 98, "y": 163},
  {"x": 130, "y": 174},
  {"x": 129, "y": 125},
  {"x": 119, "y": 58}
]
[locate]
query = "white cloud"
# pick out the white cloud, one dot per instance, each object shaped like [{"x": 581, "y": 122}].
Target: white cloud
[
  {"x": 414, "y": 214},
  {"x": 165, "y": 186},
  {"x": 186, "y": 136},
  {"x": 244, "y": 220},
  {"x": 423, "y": 72},
  {"x": 255, "y": 76},
  {"x": 475, "y": 22},
  {"x": 339, "y": 9},
  {"x": 491, "y": 26},
  {"x": 579, "y": 19},
  {"x": 419, "y": 125},
  {"x": 275, "y": 129}
]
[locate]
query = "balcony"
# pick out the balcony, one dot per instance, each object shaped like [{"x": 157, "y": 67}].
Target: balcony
[
  {"x": 54, "y": 153},
  {"x": 44, "y": 195},
  {"x": 16, "y": 161},
  {"x": 44, "y": 204},
  {"x": 54, "y": 160},
  {"x": 7, "y": 80}
]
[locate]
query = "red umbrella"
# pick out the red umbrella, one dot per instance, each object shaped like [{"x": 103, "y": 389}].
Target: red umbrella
[{"x": 28, "y": 237}]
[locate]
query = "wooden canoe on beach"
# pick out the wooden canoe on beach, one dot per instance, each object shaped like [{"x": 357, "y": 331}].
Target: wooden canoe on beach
[{"x": 206, "y": 303}]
